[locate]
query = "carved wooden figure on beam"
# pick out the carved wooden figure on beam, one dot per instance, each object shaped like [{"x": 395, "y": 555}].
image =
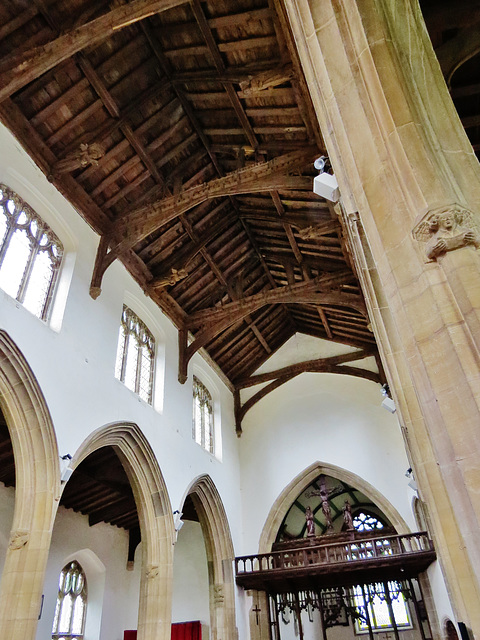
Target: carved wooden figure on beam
[
  {"x": 87, "y": 154},
  {"x": 310, "y": 522},
  {"x": 347, "y": 516}
]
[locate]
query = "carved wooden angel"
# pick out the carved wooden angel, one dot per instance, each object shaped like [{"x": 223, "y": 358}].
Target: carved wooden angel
[{"x": 446, "y": 230}]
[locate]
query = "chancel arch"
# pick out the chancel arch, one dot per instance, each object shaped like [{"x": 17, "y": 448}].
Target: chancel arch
[
  {"x": 299, "y": 484},
  {"x": 333, "y": 553},
  {"x": 37, "y": 487},
  {"x": 150, "y": 510},
  {"x": 207, "y": 504}
]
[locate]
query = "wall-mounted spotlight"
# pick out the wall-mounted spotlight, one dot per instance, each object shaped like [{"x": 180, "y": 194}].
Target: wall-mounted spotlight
[
  {"x": 65, "y": 469},
  {"x": 177, "y": 520},
  {"x": 325, "y": 184},
  {"x": 388, "y": 402}
]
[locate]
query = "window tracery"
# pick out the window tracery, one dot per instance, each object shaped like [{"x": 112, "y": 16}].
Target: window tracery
[
  {"x": 69, "y": 620},
  {"x": 135, "y": 355},
  {"x": 30, "y": 254},
  {"x": 202, "y": 416},
  {"x": 372, "y": 606},
  {"x": 366, "y": 522}
]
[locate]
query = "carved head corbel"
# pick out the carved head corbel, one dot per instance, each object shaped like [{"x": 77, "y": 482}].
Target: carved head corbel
[{"x": 447, "y": 228}]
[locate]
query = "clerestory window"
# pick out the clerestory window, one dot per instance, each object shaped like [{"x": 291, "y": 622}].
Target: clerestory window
[
  {"x": 69, "y": 620},
  {"x": 30, "y": 254},
  {"x": 202, "y": 416},
  {"x": 135, "y": 355}
]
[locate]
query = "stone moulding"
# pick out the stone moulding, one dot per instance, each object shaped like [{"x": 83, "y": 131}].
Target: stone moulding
[{"x": 447, "y": 228}]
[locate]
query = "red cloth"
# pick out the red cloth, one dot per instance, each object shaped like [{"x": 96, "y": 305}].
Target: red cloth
[
  {"x": 187, "y": 630},
  {"x": 129, "y": 635}
]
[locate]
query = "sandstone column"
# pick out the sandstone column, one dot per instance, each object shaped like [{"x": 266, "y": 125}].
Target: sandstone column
[{"x": 404, "y": 163}]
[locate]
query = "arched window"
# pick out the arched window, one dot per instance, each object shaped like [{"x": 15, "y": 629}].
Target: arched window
[
  {"x": 30, "y": 254},
  {"x": 135, "y": 355},
  {"x": 371, "y": 603},
  {"x": 202, "y": 416},
  {"x": 69, "y": 621}
]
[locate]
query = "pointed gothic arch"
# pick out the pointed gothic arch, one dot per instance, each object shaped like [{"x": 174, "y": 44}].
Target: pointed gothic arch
[
  {"x": 303, "y": 480},
  {"x": 36, "y": 492},
  {"x": 155, "y": 517},
  {"x": 220, "y": 557},
  {"x": 279, "y": 510}
]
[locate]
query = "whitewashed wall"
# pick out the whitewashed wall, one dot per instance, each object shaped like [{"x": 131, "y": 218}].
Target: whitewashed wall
[
  {"x": 190, "y": 578},
  {"x": 102, "y": 552}
]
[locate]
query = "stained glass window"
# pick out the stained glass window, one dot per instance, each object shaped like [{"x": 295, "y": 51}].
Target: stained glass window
[
  {"x": 135, "y": 355},
  {"x": 202, "y": 416},
  {"x": 69, "y": 620},
  {"x": 371, "y": 603},
  {"x": 30, "y": 254},
  {"x": 366, "y": 522}
]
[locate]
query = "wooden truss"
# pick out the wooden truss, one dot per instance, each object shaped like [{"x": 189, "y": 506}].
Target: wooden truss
[{"x": 334, "y": 364}]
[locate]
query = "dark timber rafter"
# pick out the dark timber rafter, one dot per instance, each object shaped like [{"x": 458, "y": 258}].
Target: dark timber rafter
[
  {"x": 19, "y": 70},
  {"x": 211, "y": 322},
  {"x": 334, "y": 364},
  {"x": 138, "y": 224}
]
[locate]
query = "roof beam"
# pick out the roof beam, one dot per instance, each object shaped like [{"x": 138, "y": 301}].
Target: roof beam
[
  {"x": 302, "y": 292},
  {"x": 258, "y": 178},
  {"x": 317, "y": 364},
  {"x": 215, "y": 320},
  {"x": 334, "y": 364},
  {"x": 218, "y": 61},
  {"x": 138, "y": 224},
  {"x": 20, "y": 69}
]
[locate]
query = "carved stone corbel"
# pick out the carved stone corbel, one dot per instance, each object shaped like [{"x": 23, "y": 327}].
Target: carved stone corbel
[
  {"x": 218, "y": 595},
  {"x": 447, "y": 228},
  {"x": 152, "y": 572},
  {"x": 18, "y": 539}
]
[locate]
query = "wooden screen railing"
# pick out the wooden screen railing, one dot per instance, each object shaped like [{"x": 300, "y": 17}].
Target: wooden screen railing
[{"x": 327, "y": 554}]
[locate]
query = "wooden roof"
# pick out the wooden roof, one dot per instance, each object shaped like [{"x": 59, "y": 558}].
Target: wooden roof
[
  {"x": 183, "y": 133},
  {"x": 186, "y": 96}
]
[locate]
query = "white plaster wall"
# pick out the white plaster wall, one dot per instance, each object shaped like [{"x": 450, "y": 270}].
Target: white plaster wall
[
  {"x": 113, "y": 592},
  {"x": 190, "y": 578},
  {"x": 319, "y": 417}
]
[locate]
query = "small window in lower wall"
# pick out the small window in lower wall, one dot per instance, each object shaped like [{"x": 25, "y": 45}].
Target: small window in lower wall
[
  {"x": 371, "y": 602},
  {"x": 69, "y": 621}
]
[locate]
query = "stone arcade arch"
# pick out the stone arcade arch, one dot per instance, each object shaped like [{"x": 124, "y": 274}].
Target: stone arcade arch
[
  {"x": 220, "y": 557},
  {"x": 36, "y": 493},
  {"x": 260, "y": 630},
  {"x": 155, "y": 517}
]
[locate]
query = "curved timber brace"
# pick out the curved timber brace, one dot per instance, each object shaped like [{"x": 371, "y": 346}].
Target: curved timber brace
[
  {"x": 208, "y": 323},
  {"x": 136, "y": 225},
  {"x": 334, "y": 364}
]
